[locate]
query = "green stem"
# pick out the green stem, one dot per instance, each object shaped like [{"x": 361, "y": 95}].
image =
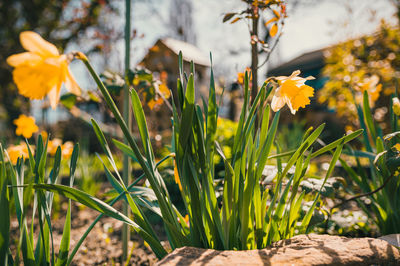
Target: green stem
[
  {"x": 127, "y": 118},
  {"x": 117, "y": 115}
]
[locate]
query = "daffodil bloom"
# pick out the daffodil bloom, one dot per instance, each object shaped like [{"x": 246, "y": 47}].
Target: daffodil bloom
[
  {"x": 18, "y": 151},
  {"x": 41, "y": 70},
  {"x": 176, "y": 176},
  {"x": 25, "y": 126},
  {"x": 372, "y": 87},
  {"x": 293, "y": 92},
  {"x": 52, "y": 146},
  {"x": 396, "y": 106},
  {"x": 67, "y": 149},
  {"x": 163, "y": 93},
  {"x": 397, "y": 147},
  {"x": 240, "y": 75}
]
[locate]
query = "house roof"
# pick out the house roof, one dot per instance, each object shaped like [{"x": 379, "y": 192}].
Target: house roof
[
  {"x": 304, "y": 62},
  {"x": 189, "y": 51}
]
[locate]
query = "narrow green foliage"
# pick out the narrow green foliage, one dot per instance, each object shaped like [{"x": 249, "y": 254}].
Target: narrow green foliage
[
  {"x": 23, "y": 191},
  {"x": 380, "y": 183}
]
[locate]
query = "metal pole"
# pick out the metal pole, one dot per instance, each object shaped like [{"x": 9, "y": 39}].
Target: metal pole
[{"x": 127, "y": 117}]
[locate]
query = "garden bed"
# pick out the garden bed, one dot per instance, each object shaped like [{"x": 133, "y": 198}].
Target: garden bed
[{"x": 103, "y": 245}]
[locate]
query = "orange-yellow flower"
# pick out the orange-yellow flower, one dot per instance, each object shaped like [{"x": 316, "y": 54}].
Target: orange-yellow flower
[
  {"x": 41, "y": 70},
  {"x": 44, "y": 135},
  {"x": 397, "y": 147},
  {"x": 372, "y": 87},
  {"x": 18, "y": 151},
  {"x": 66, "y": 149},
  {"x": 396, "y": 106},
  {"x": 52, "y": 146},
  {"x": 240, "y": 75},
  {"x": 25, "y": 126},
  {"x": 293, "y": 92},
  {"x": 162, "y": 93},
  {"x": 176, "y": 175}
]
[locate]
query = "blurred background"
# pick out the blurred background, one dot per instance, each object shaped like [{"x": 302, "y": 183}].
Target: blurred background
[{"x": 163, "y": 28}]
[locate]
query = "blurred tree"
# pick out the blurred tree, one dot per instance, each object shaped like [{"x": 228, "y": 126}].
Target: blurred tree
[
  {"x": 60, "y": 22},
  {"x": 255, "y": 9},
  {"x": 369, "y": 63}
]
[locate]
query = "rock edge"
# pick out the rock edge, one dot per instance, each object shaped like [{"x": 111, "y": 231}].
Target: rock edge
[{"x": 309, "y": 249}]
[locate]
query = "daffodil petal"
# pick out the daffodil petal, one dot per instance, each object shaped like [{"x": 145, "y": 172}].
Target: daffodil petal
[
  {"x": 54, "y": 96},
  {"x": 71, "y": 84},
  {"x": 292, "y": 110},
  {"x": 301, "y": 99},
  {"x": 23, "y": 58},
  {"x": 33, "y": 42},
  {"x": 34, "y": 82},
  {"x": 277, "y": 103},
  {"x": 294, "y": 74}
]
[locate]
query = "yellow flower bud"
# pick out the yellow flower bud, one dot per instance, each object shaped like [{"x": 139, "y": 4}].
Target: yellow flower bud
[{"x": 396, "y": 106}]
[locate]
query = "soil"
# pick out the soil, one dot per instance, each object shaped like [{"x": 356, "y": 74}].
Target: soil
[{"x": 103, "y": 245}]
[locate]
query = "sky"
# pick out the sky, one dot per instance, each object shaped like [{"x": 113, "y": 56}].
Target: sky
[{"x": 311, "y": 24}]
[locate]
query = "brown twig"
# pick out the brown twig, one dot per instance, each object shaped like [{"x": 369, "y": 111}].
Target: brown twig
[
  {"x": 365, "y": 194},
  {"x": 270, "y": 51}
]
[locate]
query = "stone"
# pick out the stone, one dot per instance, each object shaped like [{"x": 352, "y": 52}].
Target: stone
[
  {"x": 309, "y": 249},
  {"x": 393, "y": 239}
]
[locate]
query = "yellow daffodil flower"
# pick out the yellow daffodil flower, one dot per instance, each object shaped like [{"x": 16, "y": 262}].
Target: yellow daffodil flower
[
  {"x": 66, "y": 149},
  {"x": 293, "y": 92},
  {"x": 163, "y": 93},
  {"x": 240, "y": 76},
  {"x": 44, "y": 135},
  {"x": 397, "y": 147},
  {"x": 25, "y": 126},
  {"x": 18, "y": 151},
  {"x": 41, "y": 70},
  {"x": 176, "y": 176},
  {"x": 396, "y": 106},
  {"x": 52, "y": 146},
  {"x": 372, "y": 87}
]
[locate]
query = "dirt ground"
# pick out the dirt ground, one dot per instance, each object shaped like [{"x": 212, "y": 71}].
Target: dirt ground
[{"x": 103, "y": 245}]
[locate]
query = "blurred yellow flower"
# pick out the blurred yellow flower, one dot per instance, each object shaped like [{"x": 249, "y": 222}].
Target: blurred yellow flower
[
  {"x": 372, "y": 87},
  {"x": 66, "y": 149},
  {"x": 240, "y": 75},
  {"x": 293, "y": 92},
  {"x": 396, "y": 106},
  {"x": 41, "y": 70},
  {"x": 44, "y": 135},
  {"x": 397, "y": 147},
  {"x": 163, "y": 92},
  {"x": 176, "y": 175},
  {"x": 52, "y": 146},
  {"x": 18, "y": 151},
  {"x": 25, "y": 126}
]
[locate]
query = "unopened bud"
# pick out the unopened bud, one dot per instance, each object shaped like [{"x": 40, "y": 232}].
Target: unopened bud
[{"x": 396, "y": 106}]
